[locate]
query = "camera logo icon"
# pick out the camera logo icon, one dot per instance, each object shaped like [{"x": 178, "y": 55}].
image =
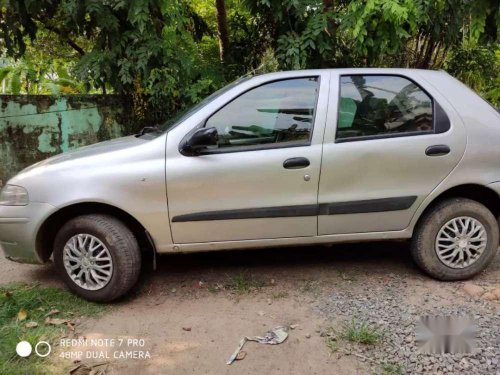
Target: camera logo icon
[{"x": 42, "y": 349}]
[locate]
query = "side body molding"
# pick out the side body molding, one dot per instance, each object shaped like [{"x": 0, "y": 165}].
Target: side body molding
[{"x": 338, "y": 208}]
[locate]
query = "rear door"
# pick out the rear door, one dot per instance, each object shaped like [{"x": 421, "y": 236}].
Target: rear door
[
  {"x": 390, "y": 139},
  {"x": 261, "y": 181}
]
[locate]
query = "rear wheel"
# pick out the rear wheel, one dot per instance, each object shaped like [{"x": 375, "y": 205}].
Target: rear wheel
[
  {"x": 456, "y": 239},
  {"x": 98, "y": 257}
]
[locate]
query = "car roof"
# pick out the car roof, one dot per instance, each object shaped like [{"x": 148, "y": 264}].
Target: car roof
[{"x": 401, "y": 71}]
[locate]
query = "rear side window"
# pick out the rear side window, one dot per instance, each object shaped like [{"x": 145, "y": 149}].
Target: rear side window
[
  {"x": 275, "y": 114},
  {"x": 382, "y": 106}
]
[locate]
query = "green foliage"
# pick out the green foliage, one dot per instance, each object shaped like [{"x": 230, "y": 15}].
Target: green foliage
[
  {"x": 165, "y": 54},
  {"x": 295, "y": 49},
  {"x": 15, "y": 83},
  {"x": 479, "y": 68},
  {"x": 53, "y": 88},
  {"x": 269, "y": 63},
  {"x": 296, "y": 30},
  {"x": 152, "y": 42},
  {"x": 27, "y": 77},
  {"x": 199, "y": 90},
  {"x": 377, "y": 28},
  {"x": 4, "y": 72}
]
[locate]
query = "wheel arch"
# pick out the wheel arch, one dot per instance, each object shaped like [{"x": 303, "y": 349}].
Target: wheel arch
[
  {"x": 479, "y": 193},
  {"x": 48, "y": 230}
]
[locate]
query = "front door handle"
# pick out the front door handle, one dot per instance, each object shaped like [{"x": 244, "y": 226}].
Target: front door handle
[
  {"x": 296, "y": 163},
  {"x": 437, "y": 150}
]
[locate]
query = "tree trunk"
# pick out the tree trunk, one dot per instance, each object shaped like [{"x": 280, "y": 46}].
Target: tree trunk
[
  {"x": 443, "y": 57},
  {"x": 328, "y": 6},
  {"x": 220, "y": 8},
  {"x": 426, "y": 63}
]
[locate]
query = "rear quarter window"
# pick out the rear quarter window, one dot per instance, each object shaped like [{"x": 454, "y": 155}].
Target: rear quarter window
[{"x": 382, "y": 105}]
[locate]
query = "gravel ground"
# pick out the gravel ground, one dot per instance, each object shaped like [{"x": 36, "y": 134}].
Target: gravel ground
[{"x": 396, "y": 318}]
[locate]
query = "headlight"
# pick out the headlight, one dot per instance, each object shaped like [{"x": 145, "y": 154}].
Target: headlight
[{"x": 12, "y": 195}]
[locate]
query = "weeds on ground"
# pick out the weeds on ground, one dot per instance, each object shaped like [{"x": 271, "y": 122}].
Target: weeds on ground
[
  {"x": 280, "y": 295},
  {"x": 392, "y": 369},
  {"x": 23, "y": 312},
  {"x": 332, "y": 343},
  {"x": 242, "y": 283},
  {"x": 354, "y": 332},
  {"x": 361, "y": 333}
]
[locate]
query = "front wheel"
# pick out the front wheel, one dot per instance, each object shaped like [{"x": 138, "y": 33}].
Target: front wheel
[
  {"x": 98, "y": 257},
  {"x": 456, "y": 239}
]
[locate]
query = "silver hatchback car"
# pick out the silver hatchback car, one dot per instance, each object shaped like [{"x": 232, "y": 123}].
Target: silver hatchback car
[{"x": 303, "y": 157}]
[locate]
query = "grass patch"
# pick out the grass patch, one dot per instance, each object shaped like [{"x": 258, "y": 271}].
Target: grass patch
[
  {"x": 332, "y": 343},
  {"x": 243, "y": 283},
  {"x": 361, "y": 333},
  {"x": 355, "y": 332},
  {"x": 392, "y": 369},
  {"x": 280, "y": 295},
  {"x": 36, "y": 302}
]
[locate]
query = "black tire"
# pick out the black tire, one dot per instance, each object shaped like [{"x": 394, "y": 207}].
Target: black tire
[
  {"x": 123, "y": 248},
  {"x": 424, "y": 237}
]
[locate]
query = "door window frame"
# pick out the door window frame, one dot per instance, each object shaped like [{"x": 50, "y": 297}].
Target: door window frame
[
  {"x": 266, "y": 146},
  {"x": 440, "y": 120}
]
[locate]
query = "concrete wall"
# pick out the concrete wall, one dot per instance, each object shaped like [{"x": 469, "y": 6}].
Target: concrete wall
[{"x": 33, "y": 128}]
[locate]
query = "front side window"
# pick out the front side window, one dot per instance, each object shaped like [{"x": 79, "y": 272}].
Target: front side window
[
  {"x": 384, "y": 105},
  {"x": 277, "y": 113}
]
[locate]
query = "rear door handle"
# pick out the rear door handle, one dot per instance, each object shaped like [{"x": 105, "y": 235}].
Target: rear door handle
[
  {"x": 296, "y": 163},
  {"x": 437, "y": 150}
]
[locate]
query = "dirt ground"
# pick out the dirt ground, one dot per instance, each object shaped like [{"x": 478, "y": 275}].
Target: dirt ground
[{"x": 193, "y": 311}]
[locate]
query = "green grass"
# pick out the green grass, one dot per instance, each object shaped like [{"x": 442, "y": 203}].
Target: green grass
[
  {"x": 355, "y": 332},
  {"x": 332, "y": 343},
  {"x": 37, "y": 301},
  {"x": 361, "y": 333},
  {"x": 392, "y": 369},
  {"x": 243, "y": 283}
]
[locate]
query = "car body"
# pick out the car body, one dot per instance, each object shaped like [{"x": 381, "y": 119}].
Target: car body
[{"x": 340, "y": 155}]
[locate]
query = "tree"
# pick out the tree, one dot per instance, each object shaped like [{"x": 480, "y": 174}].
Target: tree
[
  {"x": 169, "y": 54},
  {"x": 145, "y": 47},
  {"x": 222, "y": 33}
]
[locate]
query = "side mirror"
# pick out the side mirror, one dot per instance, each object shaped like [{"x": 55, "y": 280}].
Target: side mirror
[{"x": 200, "y": 139}]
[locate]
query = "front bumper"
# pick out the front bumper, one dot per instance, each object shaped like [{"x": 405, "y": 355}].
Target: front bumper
[{"x": 18, "y": 229}]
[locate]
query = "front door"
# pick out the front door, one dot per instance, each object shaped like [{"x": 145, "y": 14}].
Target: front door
[
  {"x": 389, "y": 141},
  {"x": 261, "y": 180}
]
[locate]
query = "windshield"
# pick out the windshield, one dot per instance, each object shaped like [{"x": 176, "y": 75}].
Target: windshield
[{"x": 187, "y": 112}]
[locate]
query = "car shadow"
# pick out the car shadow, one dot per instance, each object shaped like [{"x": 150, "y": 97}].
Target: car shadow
[{"x": 286, "y": 263}]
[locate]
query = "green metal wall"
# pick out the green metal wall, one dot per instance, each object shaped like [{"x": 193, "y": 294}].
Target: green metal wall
[{"x": 33, "y": 128}]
